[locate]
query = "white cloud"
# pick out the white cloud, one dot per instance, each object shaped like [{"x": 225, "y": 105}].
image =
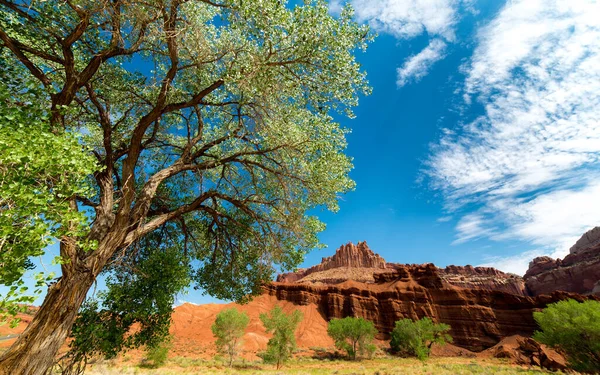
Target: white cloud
[
  {"x": 406, "y": 19},
  {"x": 409, "y": 18},
  {"x": 530, "y": 163},
  {"x": 417, "y": 66},
  {"x": 470, "y": 227}
]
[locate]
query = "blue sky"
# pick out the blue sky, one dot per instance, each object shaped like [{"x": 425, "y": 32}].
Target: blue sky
[{"x": 481, "y": 140}]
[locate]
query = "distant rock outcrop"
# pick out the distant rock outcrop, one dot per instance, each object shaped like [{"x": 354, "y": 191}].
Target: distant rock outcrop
[
  {"x": 481, "y": 304},
  {"x": 578, "y": 272},
  {"x": 589, "y": 240},
  {"x": 487, "y": 278},
  {"x": 359, "y": 263},
  {"x": 349, "y": 256},
  {"x": 479, "y": 318}
]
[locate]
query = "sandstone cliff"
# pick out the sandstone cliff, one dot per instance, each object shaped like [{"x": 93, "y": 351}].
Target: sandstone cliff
[
  {"x": 479, "y": 318},
  {"x": 359, "y": 263},
  {"x": 350, "y": 262},
  {"x": 578, "y": 272}
]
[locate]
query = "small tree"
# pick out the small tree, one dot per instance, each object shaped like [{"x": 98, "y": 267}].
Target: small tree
[
  {"x": 157, "y": 354},
  {"x": 228, "y": 328},
  {"x": 283, "y": 342},
  {"x": 417, "y": 337},
  {"x": 354, "y": 335},
  {"x": 574, "y": 328}
]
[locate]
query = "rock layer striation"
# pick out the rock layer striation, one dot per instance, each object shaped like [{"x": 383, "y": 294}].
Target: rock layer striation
[
  {"x": 479, "y": 317},
  {"x": 578, "y": 272}
]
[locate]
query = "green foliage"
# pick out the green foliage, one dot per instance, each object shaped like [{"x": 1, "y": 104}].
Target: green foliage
[
  {"x": 143, "y": 297},
  {"x": 283, "y": 327},
  {"x": 574, "y": 328},
  {"x": 228, "y": 328},
  {"x": 157, "y": 354},
  {"x": 41, "y": 170},
  {"x": 354, "y": 335},
  {"x": 415, "y": 338},
  {"x": 261, "y": 146},
  {"x": 213, "y": 117}
]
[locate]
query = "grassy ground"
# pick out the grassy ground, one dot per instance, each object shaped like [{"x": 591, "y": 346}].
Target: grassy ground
[{"x": 388, "y": 366}]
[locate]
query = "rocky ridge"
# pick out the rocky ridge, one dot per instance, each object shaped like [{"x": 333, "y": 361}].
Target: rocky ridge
[
  {"x": 479, "y": 318},
  {"x": 355, "y": 262},
  {"x": 359, "y": 263},
  {"x": 578, "y": 272}
]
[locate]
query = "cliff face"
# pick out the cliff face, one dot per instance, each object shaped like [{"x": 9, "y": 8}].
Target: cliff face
[
  {"x": 359, "y": 263},
  {"x": 486, "y": 278},
  {"x": 356, "y": 262},
  {"x": 479, "y": 318},
  {"x": 578, "y": 272}
]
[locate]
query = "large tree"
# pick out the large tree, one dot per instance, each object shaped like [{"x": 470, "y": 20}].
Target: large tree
[{"x": 212, "y": 115}]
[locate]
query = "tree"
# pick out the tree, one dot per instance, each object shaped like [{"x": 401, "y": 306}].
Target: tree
[
  {"x": 136, "y": 308},
  {"x": 228, "y": 328},
  {"x": 574, "y": 328},
  {"x": 416, "y": 338},
  {"x": 354, "y": 335},
  {"x": 214, "y": 116},
  {"x": 283, "y": 327},
  {"x": 39, "y": 169}
]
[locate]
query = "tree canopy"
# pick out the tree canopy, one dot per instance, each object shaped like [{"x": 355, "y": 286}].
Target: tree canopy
[
  {"x": 213, "y": 116},
  {"x": 354, "y": 335},
  {"x": 574, "y": 328},
  {"x": 228, "y": 328},
  {"x": 416, "y": 338},
  {"x": 283, "y": 327}
]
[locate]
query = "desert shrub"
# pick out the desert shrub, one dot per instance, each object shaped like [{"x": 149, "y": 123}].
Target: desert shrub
[
  {"x": 574, "y": 328},
  {"x": 283, "y": 326},
  {"x": 228, "y": 328},
  {"x": 156, "y": 354},
  {"x": 353, "y": 335},
  {"x": 415, "y": 338}
]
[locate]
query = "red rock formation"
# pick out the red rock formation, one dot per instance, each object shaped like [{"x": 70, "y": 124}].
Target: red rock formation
[
  {"x": 479, "y": 318},
  {"x": 483, "y": 278},
  {"x": 590, "y": 239},
  {"x": 352, "y": 256},
  {"x": 481, "y": 305},
  {"x": 578, "y": 272},
  {"x": 360, "y": 263},
  {"x": 527, "y": 352}
]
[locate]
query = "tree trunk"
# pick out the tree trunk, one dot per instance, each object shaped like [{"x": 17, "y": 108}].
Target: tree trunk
[{"x": 35, "y": 350}]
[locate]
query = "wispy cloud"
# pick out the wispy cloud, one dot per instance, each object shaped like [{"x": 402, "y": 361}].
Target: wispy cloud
[
  {"x": 406, "y": 19},
  {"x": 471, "y": 227},
  {"x": 409, "y": 18},
  {"x": 529, "y": 165},
  {"x": 417, "y": 66}
]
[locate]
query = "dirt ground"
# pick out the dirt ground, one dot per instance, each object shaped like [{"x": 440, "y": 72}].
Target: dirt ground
[{"x": 311, "y": 366}]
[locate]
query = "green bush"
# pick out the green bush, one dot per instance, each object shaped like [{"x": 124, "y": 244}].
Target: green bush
[
  {"x": 156, "y": 355},
  {"x": 228, "y": 328},
  {"x": 415, "y": 338},
  {"x": 353, "y": 335},
  {"x": 283, "y": 326},
  {"x": 574, "y": 328}
]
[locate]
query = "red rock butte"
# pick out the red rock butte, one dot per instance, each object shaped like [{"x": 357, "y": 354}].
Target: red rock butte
[{"x": 482, "y": 305}]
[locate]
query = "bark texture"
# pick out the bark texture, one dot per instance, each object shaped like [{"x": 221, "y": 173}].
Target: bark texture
[{"x": 35, "y": 350}]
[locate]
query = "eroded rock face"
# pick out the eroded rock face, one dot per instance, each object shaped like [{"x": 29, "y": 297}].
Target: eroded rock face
[
  {"x": 526, "y": 351},
  {"x": 487, "y": 278},
  {"x": 589, "y": 240},
  {"x": 359, "y": 263},
  {"x": 356, "y": 257},
  {"x": 479, "y": 318},
  {"x": 578, "y": 272}
]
